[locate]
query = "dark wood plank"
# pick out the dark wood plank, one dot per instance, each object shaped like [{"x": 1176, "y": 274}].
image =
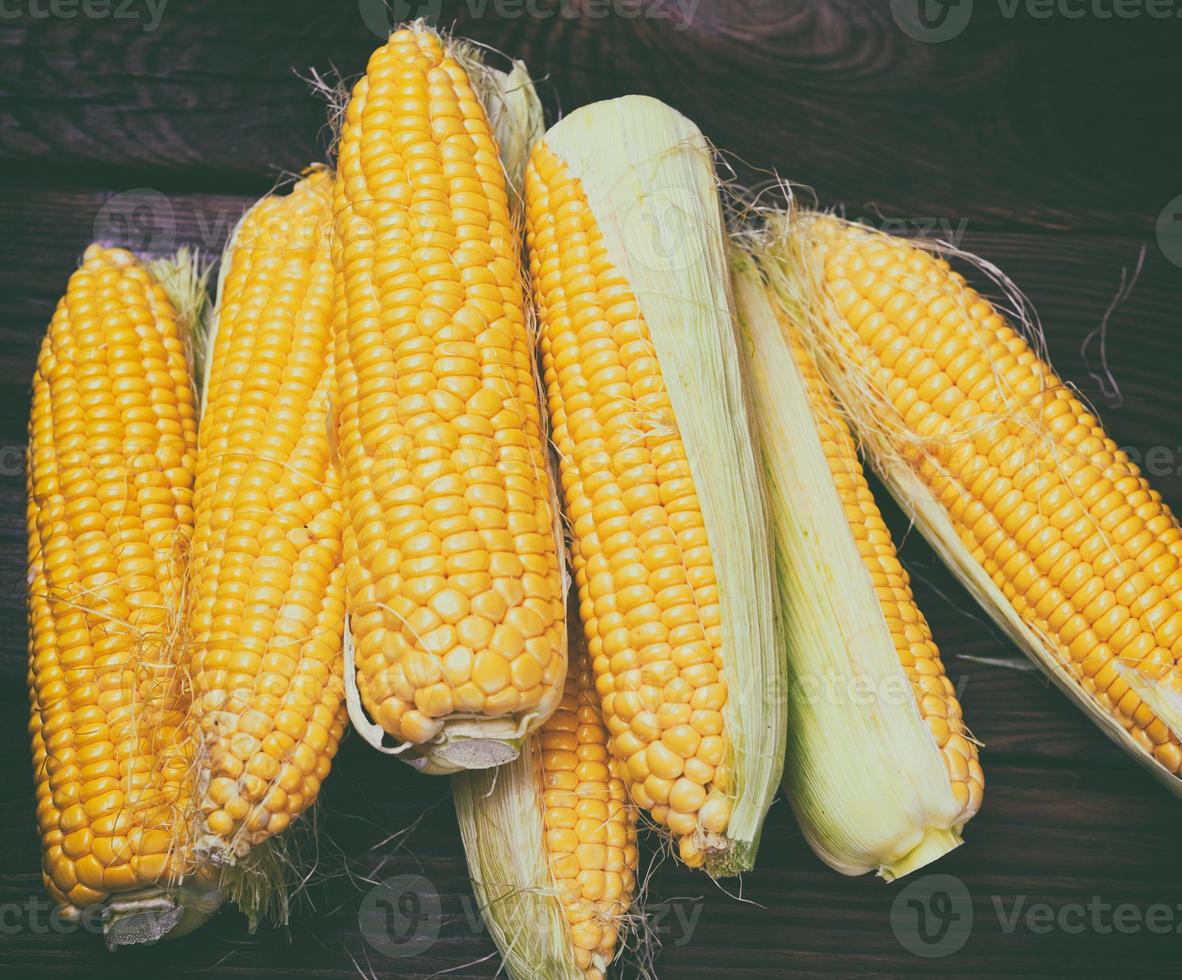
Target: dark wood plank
[{"x": 1016, "y": 121}]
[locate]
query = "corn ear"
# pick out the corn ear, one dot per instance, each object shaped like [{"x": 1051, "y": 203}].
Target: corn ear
[
  {"x": 265, "y": 661},
  {"x": 459, "y": 645},
  {"x": 1048, "y": 524},
  {"x": 112, "y": 439},
  {"x": 867, "y": 777},
  {"x": 670, "y": 538}
]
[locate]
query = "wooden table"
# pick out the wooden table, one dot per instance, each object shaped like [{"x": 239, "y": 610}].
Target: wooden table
[{"x": 1047, "y": 144}]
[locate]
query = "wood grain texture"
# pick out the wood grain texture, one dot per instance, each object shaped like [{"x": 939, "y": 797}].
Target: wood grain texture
[
  {"x": 1036, "y": 142},
  {"x": 1015, "y": 121}
]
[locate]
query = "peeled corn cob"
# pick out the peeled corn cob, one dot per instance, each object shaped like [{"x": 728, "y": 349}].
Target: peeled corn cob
[
  {"x": 267, "y": 603},
  {"x": 879, "y": 770},
  {"x": 112, "y": 440},
  {"x": 551, "y": 842},
  {"x": 451, "y": 536},
  {"x": 1050, "y": 526},
  {"x": 670, "y": 539}
]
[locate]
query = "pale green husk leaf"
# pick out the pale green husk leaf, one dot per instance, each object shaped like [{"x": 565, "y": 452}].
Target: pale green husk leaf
[
  {"x": 185, "y": 278},
  {"x": 862, "y": 772}
]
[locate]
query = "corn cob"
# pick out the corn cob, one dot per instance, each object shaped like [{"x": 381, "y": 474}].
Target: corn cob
[
  {"x": 551, "y": 842},
  {"x": 879, "y": 769},
  {"x": 112, "y": 439},
  {"x": 267, "y": 603},
  {"x": 1051, "y": 526},
  {"x": 671, "y": 548},
  {"x": 451, "y": 543}
]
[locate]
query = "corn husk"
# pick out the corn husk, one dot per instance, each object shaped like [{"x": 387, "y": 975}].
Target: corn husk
[
  {"x": 515, "y": 114},
  {"x": 648, "y": 176},
  {"x": 500, "y": 814},
  {"x": 887, "y": 441},
  {"x": 864, "y": 775}
]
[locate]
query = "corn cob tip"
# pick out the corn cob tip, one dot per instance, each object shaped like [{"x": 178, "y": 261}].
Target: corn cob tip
[{"x": 511, "y": 102}]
